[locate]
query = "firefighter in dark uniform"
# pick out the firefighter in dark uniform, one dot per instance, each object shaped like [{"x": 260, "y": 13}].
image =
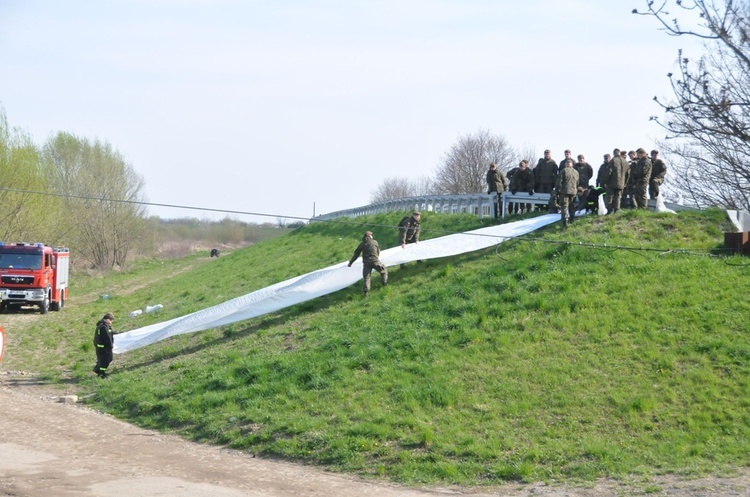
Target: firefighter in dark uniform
[
  {"x": 592, "y": 200},
  {"x": 103, "y": 343},
  {"x": 370, "y": 251}
]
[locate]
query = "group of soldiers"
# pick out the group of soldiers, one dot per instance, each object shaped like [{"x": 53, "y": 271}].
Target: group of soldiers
[{"x": 626, "y": 179}]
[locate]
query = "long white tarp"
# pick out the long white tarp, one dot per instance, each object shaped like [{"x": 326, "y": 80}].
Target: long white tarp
[
  {"x": 740, "y": 219},
  {"x": 322, "y": 282}
]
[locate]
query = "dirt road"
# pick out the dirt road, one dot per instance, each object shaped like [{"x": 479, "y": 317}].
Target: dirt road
[{"x": 49, "y": 448}]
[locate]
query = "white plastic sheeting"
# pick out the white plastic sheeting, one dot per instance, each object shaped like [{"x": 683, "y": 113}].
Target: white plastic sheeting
[
  {"x": 324, "y": 281},
  {"x": 740, "y": 219},
  {"x": 660, "y": 207}
]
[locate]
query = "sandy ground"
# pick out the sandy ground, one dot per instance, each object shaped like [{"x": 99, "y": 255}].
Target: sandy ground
[
  {"x": 53, "y": 449},
  {"x": 50, "y": 448}
]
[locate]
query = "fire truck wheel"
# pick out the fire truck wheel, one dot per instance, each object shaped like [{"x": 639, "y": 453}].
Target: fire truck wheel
[
  {"x": 56, "y": 306},
  {"x": 44, "y": 306}
]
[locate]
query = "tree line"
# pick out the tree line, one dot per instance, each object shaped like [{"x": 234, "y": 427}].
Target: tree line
[{"x": 59, "y": 194}]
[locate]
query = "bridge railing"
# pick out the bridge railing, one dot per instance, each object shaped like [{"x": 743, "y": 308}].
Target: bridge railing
[{"x": 479, "y": 204}]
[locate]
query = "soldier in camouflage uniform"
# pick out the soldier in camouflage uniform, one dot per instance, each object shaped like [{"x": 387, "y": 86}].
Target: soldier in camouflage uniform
[
  {"x": 618, "y": 173},
  {"x": 408, "y": 231},
  {"x": 658, "y": 173},
  {"x": 585, "y": 171},
  {"x": 496, "y": 183},
  {"x": 567, "y": 188},
  {"x": 628, "y": 199},
  {"x": 370, "y": 251},
  {"x": 641, "y": 177},
  {"x": 568, "y": 155},
  {"x": 546, "y": 173},
  {"x": 603, "y": 173},
  {"x": 523, "y": 180}
]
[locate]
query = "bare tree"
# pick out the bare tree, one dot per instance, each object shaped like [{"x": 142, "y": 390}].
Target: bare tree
[
  {"x": 697, "y": 182},
  {"x": 395, "y": 188},
  {"x": 464, "y": 167},
  {"x": 708, "y": 123}
]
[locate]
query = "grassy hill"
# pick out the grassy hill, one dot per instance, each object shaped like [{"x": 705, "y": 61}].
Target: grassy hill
[{"x": 618, "y": 347}]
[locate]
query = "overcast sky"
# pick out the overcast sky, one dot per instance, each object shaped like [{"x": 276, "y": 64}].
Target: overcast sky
[{"x": 276, "y": 107}]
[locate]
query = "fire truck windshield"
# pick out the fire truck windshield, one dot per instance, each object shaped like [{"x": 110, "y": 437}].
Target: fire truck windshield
[{"x": 20, "y": 261}]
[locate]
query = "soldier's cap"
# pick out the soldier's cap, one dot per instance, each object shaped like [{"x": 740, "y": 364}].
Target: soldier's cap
[
  {"x": 109, "y": 316},
  {"x": 417, "y": 213},
  {"x": 547, "y": 151},
  {"x": 654, "y": 152},
  {"x": 368, "y": 233}
]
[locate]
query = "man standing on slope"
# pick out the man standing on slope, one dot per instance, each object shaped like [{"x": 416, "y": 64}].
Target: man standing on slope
[
  {"x": 618, "y": 174},
  {"x": 370, "y": 251},
  {"x": 658, "y": 172},
  {"x": 545, "y": 173},
  {"x": 103, "y": 343},
  {"x": 567, "y": 187},
  {"x": 640, "y": 177},
  {"x": 408, "y": 230},
  {"x": 496, "y": 183}
]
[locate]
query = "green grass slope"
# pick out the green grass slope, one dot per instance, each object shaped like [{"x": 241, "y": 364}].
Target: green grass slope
[{"x": 618, "y": 347}]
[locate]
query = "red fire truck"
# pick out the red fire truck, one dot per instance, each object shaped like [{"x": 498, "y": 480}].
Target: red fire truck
[{"x": 33, "y": 274}]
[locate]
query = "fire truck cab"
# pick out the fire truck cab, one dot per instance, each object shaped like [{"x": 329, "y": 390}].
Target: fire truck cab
[{"x": 33, "y": 274}]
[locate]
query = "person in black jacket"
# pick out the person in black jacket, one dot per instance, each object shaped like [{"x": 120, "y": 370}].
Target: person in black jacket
[
  {"x": 592, "y": 199},
  {"x": 103, "y": 342}
]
